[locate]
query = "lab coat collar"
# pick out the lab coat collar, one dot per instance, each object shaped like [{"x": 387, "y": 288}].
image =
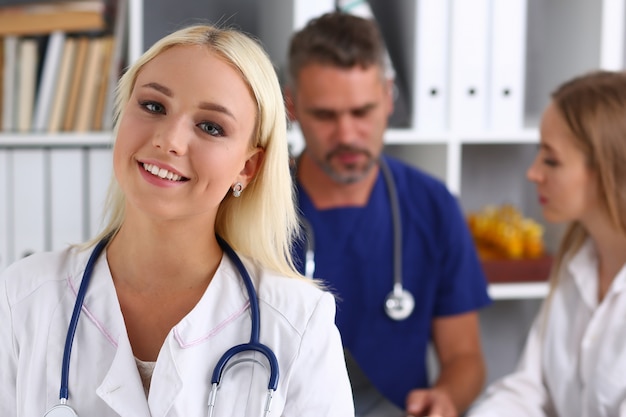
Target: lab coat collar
[
  {"x": 224, "y": 301},
  {"x": 583, "y": 268}
]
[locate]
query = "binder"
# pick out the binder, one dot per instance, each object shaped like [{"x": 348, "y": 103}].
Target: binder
[
  {"x": 88, "y": 88},
  {"x": 430, "y": 92},
  {"x": 9, "y": 83},
  {"x": 469, "y": 64},
  {"x": 49, "y": 81},
  {"x": 508, "y": 57},
  {"x": 305, "y": 10},
  {"x": 28, "y": 201},
  {"x": 28, "y": 60},
  {"x": 99, "y": 174},
  {"x": 66, "y": 197},
  {"x": 5, "y": 237},
  {"x": 61, "y": 93}
]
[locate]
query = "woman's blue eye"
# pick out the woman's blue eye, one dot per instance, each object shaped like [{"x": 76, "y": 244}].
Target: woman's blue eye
[
  {"x": 211, "y": 128},
  {"x": 153, "y": 107}
]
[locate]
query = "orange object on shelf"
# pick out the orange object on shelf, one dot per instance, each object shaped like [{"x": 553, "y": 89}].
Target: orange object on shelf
[{"x": 504, "y": 232}]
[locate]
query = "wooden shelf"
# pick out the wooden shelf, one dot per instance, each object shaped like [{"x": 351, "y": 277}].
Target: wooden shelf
[
  {"x": 517, "y": 270},
  {"x": 515, "y": 279}
]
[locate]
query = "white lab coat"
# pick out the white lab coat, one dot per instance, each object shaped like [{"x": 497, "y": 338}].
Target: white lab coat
[
  {"x": 37, "y": 296},
  {"x": 574, "y": 362}
]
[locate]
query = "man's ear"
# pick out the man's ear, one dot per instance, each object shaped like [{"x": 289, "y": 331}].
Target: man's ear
[
  {"x": 390, "y": 95},
  {"x": 252, "y": 166},
  {"x": 289, "y": 103}
]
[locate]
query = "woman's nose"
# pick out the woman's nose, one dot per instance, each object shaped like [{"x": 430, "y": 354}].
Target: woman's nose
[
  {"x": 174, "y": 137},
  {"x": 533, "y": 173}
]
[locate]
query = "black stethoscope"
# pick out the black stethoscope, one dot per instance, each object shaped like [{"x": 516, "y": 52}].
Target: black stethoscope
[
  {"x": 399, "y": 303},
  {"x": 64, "y": 410}
]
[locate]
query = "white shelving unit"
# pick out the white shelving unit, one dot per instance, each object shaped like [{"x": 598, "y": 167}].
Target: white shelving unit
[
  {"x": 43, "y": 177},
  {"x": 563, "y": 38}
]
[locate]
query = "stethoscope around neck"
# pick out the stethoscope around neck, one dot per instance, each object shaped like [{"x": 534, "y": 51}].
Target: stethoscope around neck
[
  {"x": 399, "y": 303},
  {"x": 63, "y": 409}
]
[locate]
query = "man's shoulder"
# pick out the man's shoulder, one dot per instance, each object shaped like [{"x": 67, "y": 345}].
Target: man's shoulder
[{"x": 412, "y": 182}]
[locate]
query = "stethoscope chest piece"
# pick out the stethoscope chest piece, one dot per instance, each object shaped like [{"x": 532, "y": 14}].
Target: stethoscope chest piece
[
  {"x": 399, "y": 304},
  {"x": 61, "y": 410}
]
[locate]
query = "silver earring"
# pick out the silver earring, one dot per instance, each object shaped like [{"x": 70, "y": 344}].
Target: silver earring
[{"x": 237, "y": 189}]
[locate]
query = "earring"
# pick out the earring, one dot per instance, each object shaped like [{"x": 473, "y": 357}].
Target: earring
[{"x": 237, "y": 189}]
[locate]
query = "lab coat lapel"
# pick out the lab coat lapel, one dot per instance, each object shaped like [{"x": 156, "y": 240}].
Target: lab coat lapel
[
  {"x": 121, "y": 388},
  {"x": 167, "y": 384}
]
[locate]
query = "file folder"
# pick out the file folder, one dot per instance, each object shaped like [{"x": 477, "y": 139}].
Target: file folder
[
  {"x": 66, "y": 197},
  {"x": 508, "y": 57},
  {"x": 29, "y": 210},
  {"x": 469, "y": 64},
  {"x": 430, "y": 93}
]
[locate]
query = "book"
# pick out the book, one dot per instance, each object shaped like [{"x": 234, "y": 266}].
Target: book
[
  {"x": 89, "y": 85},
  {"x": 103, "y": 82},
  {"x": 74, "y": 91},
  {"x": 28, "y": 51},
  {"x": 48, "y": 81},
  {"x": 61, "y": 93},
  {"x": 9, "y": 82},
  {"x": 46, "y": 17}
]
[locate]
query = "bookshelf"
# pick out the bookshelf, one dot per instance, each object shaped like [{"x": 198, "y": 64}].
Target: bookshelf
[{"x": 53, "y": 181}]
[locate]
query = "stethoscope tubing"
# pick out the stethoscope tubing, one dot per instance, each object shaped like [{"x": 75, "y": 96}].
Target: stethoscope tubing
[
  {"x": 218, "y": 371},
  {"x": 254, "y": 343},
  {"x": 399, "y": 303},
  {"x": 78, "y": 306}
]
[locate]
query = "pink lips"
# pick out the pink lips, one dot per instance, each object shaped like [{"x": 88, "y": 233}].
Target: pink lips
[{"x": 157, "y": 180}]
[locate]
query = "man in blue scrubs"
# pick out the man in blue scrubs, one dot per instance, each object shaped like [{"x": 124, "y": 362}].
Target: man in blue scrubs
[{"x": 342, "y": 100}]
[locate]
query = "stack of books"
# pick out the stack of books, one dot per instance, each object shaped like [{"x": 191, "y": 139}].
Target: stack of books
[{"x": 59, "y": 63}]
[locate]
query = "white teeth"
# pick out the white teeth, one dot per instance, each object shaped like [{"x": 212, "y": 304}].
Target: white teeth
[{"x": 161, "y": 172}]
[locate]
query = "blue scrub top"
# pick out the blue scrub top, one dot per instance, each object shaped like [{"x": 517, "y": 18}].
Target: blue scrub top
[{"x": 354, "y": 257}]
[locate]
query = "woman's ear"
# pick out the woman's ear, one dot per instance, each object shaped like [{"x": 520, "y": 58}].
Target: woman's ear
[{"x": 252, "y": 166}]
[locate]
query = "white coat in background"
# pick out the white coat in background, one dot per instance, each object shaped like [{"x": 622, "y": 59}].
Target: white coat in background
[{"x": 574, "y": 362}]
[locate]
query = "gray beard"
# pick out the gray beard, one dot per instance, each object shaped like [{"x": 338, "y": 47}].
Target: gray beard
[{"x": 350, "y": 178}]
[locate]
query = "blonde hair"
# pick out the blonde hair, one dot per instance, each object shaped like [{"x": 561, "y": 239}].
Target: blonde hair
[
  {"x": 594, "y": 108},
  {"x": 263, "y": 223}
]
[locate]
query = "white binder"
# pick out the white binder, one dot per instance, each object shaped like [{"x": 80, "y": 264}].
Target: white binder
[
  {"x": 5, "y": 238},
  {"x": 28, "y": 196},
  {"x": 430, "y": 92},
  {"x": 100, "y": 171},
  {"x": 469, "y": 64},
  {"x": 508, "y": 57},
  {"x": 66, "y": 197},
  {"x": 49, "y": 81}
]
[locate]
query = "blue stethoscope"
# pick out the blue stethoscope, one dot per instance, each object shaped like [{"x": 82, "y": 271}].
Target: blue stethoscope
[
  {"x": 399, "y": 303},
  {"x": 64, "y": 410}
]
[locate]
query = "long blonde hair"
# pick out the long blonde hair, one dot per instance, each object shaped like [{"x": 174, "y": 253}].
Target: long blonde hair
[{"x": 263, "y": 222}]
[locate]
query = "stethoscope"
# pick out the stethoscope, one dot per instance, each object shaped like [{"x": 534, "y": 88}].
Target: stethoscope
[
  {"x": 399, "y": 303},
  {"x": 63, "y": 409}
]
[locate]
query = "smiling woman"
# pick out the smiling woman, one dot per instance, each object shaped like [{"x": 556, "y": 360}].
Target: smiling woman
[{"x": 201, "y": 171}]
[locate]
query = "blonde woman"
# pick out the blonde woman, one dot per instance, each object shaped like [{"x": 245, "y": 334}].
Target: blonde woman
[{"x": 195, "y": 260}]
